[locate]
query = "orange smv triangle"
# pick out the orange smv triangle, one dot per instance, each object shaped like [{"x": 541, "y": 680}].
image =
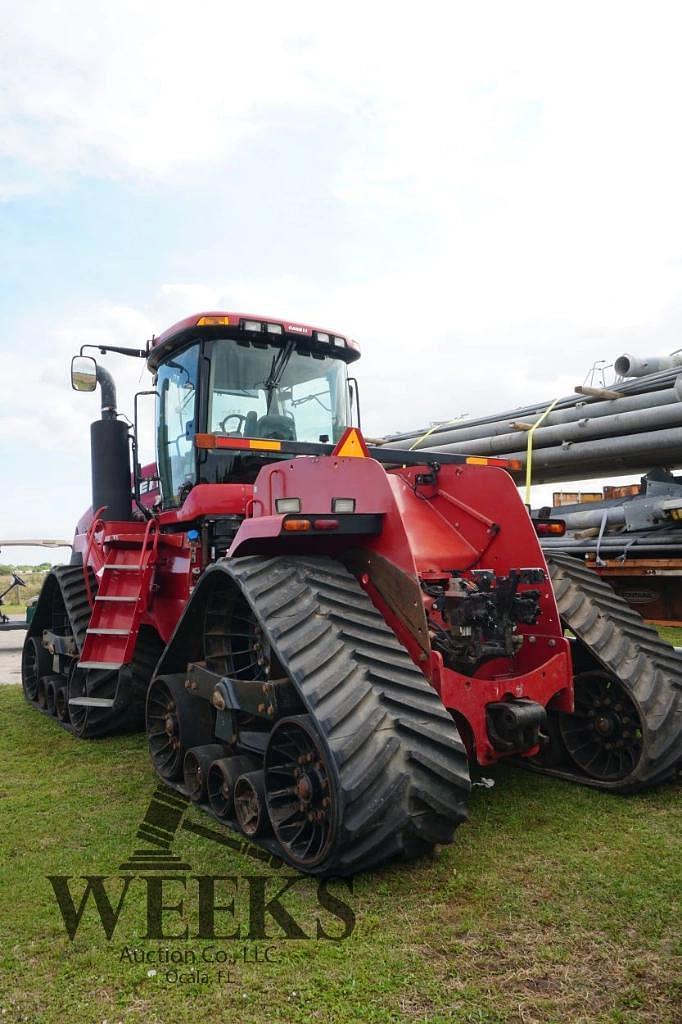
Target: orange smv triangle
[{"x": 352, "y": 444}]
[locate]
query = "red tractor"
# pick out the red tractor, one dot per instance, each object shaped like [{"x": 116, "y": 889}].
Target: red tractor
[{"x": 324, "y": 635}]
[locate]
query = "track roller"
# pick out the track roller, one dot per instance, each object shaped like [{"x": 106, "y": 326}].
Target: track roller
[
  {"x": 222, "y": 775},
  {"x": 62, "y": 703},
  {"x": 250, "y": 806},
  {"x": 41, "y": 693},
  {"x": 77, "y": 687},
  {"x": 195, "y": 769},
  {"x": 51, "y": 687}
]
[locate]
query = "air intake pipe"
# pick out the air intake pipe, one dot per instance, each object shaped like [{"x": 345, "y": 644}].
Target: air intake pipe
[{"x": 110, "y": 456}]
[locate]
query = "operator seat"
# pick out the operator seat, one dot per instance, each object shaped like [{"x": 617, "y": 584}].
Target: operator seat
[
  {"x": 251, "y": 424},
  {"x": 279, "y": 428}
]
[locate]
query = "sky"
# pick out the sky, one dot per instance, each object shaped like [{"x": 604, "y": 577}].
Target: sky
[{"x": 486, "y": 196}]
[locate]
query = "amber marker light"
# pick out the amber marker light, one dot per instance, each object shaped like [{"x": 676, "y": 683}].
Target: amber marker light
[{"x": 296, "y": 525}]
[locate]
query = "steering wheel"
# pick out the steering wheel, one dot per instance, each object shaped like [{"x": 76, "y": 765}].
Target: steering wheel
[
  {"x": 278, "y": 434},
  {"x": 232, "y": 416}
]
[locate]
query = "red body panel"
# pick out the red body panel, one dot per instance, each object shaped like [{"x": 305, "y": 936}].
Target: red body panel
[{"x": 472, "y": 518}]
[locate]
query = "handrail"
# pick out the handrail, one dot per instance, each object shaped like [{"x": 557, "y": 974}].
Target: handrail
[
  {"x": 155, "y": 543},
  {"x": 97, "y": 521}
]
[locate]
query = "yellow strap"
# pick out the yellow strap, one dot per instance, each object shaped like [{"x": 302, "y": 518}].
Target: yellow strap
[
  {"x": 436, "y": 426},
  {"x": 529, "y": 448}
]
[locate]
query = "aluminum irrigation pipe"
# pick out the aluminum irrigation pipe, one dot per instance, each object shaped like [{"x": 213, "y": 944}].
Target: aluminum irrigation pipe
[
  {"x": 529, "y": 448},
  {"x": 637, "y": 366},
  {"x": 502, "y": 423},
  {"x": 604, "y": 457},
  {"x": 626, "y": 423}
]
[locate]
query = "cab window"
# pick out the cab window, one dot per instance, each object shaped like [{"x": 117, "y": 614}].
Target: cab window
[{"x": 177, "y": 390}]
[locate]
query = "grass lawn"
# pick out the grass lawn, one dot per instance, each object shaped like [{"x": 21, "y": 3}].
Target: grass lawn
[
  {"x": 672, "y": 634},
  {"x": 14, "y": 609},
  {"x": 555, "y": 904}
]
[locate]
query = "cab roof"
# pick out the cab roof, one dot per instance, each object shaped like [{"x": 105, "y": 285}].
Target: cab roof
[{"x": 252, "y": 328}]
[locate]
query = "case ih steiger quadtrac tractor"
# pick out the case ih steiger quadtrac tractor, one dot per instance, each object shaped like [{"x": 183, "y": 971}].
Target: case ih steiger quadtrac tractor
[{"x": 323, "y": 636}]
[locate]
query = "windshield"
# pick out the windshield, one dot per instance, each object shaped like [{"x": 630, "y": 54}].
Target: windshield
[{"x": 255, "y": 393}]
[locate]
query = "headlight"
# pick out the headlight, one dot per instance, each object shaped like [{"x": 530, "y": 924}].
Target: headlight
[
  {"x": 288, "y": 505},
  {"x": 343, "y": 505}
]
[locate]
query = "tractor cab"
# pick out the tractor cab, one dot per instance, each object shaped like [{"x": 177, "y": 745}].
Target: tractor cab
[{"x": 243, "y": 381}]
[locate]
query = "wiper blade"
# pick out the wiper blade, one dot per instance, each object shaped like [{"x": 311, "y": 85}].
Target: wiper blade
[{"x": 279, "y": 365}]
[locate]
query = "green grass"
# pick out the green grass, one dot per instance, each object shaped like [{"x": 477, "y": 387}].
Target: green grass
[
  {"x": 14, "y": 609},
  {"x": 671, "y": 634},
  {"x": 555, "y": 904}
]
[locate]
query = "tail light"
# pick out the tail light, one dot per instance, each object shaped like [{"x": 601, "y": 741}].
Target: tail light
[{"x": 549, "y": 527}]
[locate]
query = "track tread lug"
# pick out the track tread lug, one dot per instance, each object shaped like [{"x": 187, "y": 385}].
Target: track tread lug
[
  {"x": 624, "y": 645},
  {"x": 402, "y": 767}
]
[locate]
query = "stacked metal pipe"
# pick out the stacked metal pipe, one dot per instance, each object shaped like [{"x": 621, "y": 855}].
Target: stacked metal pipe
[
  {"x": 648, "y": 523},
  {"x": 628, "y": 428}
]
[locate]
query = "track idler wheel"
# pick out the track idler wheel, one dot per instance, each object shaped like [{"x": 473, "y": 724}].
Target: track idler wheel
[
  {"x": 603, "y": 737},
  {"x": 222, "y": 776},
  {"x": 249, "y": 804},
  {"x": 195, "y": 769},
  {"x": 176, "y": 722},
  {"x": 36, "y": 662},
  {"x": 300, "y": 790}
]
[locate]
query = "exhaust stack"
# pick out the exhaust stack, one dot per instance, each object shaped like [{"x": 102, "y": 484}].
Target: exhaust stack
[{"x": 110, "y": 456}]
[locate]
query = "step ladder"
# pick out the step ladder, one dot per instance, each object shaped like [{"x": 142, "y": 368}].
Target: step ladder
[{"x": 121, "y": 601}]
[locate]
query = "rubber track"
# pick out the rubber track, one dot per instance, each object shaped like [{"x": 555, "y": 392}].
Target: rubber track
[
  {"x": 71, "y": 584},
  {"x": 72, "y": 587},
  {"x": 108, "y": 721},
  {"x": 622, "y": 643},
  {"x": 402, "y": 768}
]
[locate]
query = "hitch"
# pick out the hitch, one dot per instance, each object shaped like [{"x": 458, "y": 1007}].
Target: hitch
[{"x": 514, "y": 725}]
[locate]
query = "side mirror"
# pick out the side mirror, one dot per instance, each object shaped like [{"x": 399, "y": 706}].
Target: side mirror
[{"x": 83, "y": 373}]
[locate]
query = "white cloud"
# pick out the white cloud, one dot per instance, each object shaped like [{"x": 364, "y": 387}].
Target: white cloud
[{"x": 507, "y": 177}]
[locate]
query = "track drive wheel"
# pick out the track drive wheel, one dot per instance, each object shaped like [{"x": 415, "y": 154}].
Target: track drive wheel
[
  {"x": 626, "y": 732},
  {"x": 301, "y": 791},
  {"x": 604, "y": 734},
  {"x": 176, "y": 722}
]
